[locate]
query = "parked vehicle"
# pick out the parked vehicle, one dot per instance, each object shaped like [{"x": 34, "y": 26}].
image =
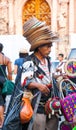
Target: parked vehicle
[
  {"x": 72, "y": 54},
  {"x": 54, "y": 65}
]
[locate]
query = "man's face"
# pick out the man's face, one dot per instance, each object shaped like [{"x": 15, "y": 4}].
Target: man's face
[
  {"x": 60, "y": 58},
  {"x": 45, "y": 50}
]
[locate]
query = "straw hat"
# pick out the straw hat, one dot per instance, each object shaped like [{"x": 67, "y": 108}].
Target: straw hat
[
  {"x": 22, "y": 50},
  {"x": 38, "y": 33}
]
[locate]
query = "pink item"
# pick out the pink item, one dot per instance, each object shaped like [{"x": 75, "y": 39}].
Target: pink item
[{"x": 68, "y": 106}]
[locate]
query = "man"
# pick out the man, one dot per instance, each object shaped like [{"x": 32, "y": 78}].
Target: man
[
  {"x": 60, "y": 66},
  {"x": 4, "y": 63},
  {"x": 18, "y": 62},
  {"x": 38, "y": 67}
]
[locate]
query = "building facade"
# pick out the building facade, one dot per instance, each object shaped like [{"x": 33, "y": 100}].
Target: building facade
[{"x": 59, "y": 14}]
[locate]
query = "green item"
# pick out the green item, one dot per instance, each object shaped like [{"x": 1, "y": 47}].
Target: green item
[
  {"x": 8, "y": 87},
  {"x": 74, "y": 128}
]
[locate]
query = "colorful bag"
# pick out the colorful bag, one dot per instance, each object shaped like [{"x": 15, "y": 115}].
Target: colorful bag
[
  {"x": 70, "y": 68},
  {"x": 52, "y": 106},
  {"x": 68, "y": 106},
  {"x": 64, "y": 126},
  {"x": 26, "y": 110},
  {"x": 67, "y": 86},
  {"x": 8, "y": 87}
]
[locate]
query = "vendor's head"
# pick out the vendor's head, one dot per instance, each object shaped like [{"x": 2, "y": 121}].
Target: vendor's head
[
  {"x": 44, "y": 49},
  {"x": 39, "y": 36}
]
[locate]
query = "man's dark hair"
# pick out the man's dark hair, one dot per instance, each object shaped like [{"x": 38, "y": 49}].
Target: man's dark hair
[
  {"x": 62, "y": 55},
  {"x": 1, "y": 47},
  {"x": 23, "y": 55}
]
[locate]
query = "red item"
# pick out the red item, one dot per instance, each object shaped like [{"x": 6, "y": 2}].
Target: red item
[
  {"x": 49, "y": 85},
  {"x": 52, "y": 104},
  {"x": 41, "y": 76},
  {"x": 24, "y": 82}
]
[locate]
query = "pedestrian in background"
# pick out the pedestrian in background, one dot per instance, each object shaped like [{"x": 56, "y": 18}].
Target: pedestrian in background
[
  {"x": 60, "y": 66},
  {"x": 23, "y": 53},
  {"x": 6, "y": 66}
]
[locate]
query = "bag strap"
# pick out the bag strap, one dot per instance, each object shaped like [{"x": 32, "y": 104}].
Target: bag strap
[
  {"x": 30, "y": 126},
  {"x": 3, "y": 72},
  {"x": 55, "y": 91},
  {"x": 40, "y": 71}
]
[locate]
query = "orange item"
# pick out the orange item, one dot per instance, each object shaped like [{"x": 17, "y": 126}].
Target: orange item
[{"x": 26, "y": 110}]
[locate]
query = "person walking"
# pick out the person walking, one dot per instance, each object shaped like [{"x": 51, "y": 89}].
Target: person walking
[
  {"x": 5, "y": 63},
  {"x": 39, "y": 65},
  {"x": 18, "y": 62},
  {"x": 35, "y": 75}
]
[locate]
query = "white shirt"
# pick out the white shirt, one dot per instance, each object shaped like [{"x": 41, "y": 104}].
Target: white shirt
[{"x": 60, "y": 66}]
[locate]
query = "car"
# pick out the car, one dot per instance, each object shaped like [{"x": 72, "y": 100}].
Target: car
[
  {"x": 72, "y": 54},
  {"x": 54, "y": 65}
]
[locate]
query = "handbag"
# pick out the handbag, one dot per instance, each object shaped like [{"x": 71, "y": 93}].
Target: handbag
[
  {"x": 8, "y": 85},
  {"x": 65, "y": 126},
  {"x": 26, "y": 111},
  {"x": 52, "y": 106},
  {"x": 68, "y": 106}
]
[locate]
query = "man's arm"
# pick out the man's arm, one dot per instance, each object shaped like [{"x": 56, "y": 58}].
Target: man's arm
[
  {"x": 41, "y": 87},
  {"x": 8, "y": 63}
]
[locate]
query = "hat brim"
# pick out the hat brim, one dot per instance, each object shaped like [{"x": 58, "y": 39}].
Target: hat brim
[{"x": 40, "y": 43}]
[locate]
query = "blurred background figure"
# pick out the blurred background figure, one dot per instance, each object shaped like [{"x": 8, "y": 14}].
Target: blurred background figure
[
  {"x": 23, "y": 53},
  {"x": 6, "y": 66},
  {"x": 60, "y": 66}
]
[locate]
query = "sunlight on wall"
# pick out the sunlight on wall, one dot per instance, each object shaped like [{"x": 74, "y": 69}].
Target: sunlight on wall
[
  {"x": 12, "y": 45},
  {"x": 73, "y": 40}
]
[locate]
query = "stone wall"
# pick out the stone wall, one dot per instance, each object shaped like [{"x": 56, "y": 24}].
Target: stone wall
[
  {"x": 4, "y": 17},
  {"x": 62, "y": 20},
  {"x": 63, "y": 26}
]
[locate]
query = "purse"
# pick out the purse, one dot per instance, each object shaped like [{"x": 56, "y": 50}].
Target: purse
[
  {"x": 68, "y": 107},
  {"x": 8, "y": 85},
  {"x": 52, "y": 106},
  {"x": 64, "y": 126},
  {"x": 26, "y": 111}
]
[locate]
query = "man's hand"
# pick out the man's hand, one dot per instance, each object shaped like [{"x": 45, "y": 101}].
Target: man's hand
[
  {"x": 41, "y": 87},
  {"x": 44, "y": 89},
  {"x": 59, "y": 70}
]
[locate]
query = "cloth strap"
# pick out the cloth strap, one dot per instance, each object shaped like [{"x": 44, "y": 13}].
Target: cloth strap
[
  {"x": 35, "y": 111},
  {"x": 3, "y": 72}
]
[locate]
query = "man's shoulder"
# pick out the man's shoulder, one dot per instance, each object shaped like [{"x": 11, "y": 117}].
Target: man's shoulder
[
  {"x": 29, "y": 58},
  {"x": 6, "y": 59}
]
